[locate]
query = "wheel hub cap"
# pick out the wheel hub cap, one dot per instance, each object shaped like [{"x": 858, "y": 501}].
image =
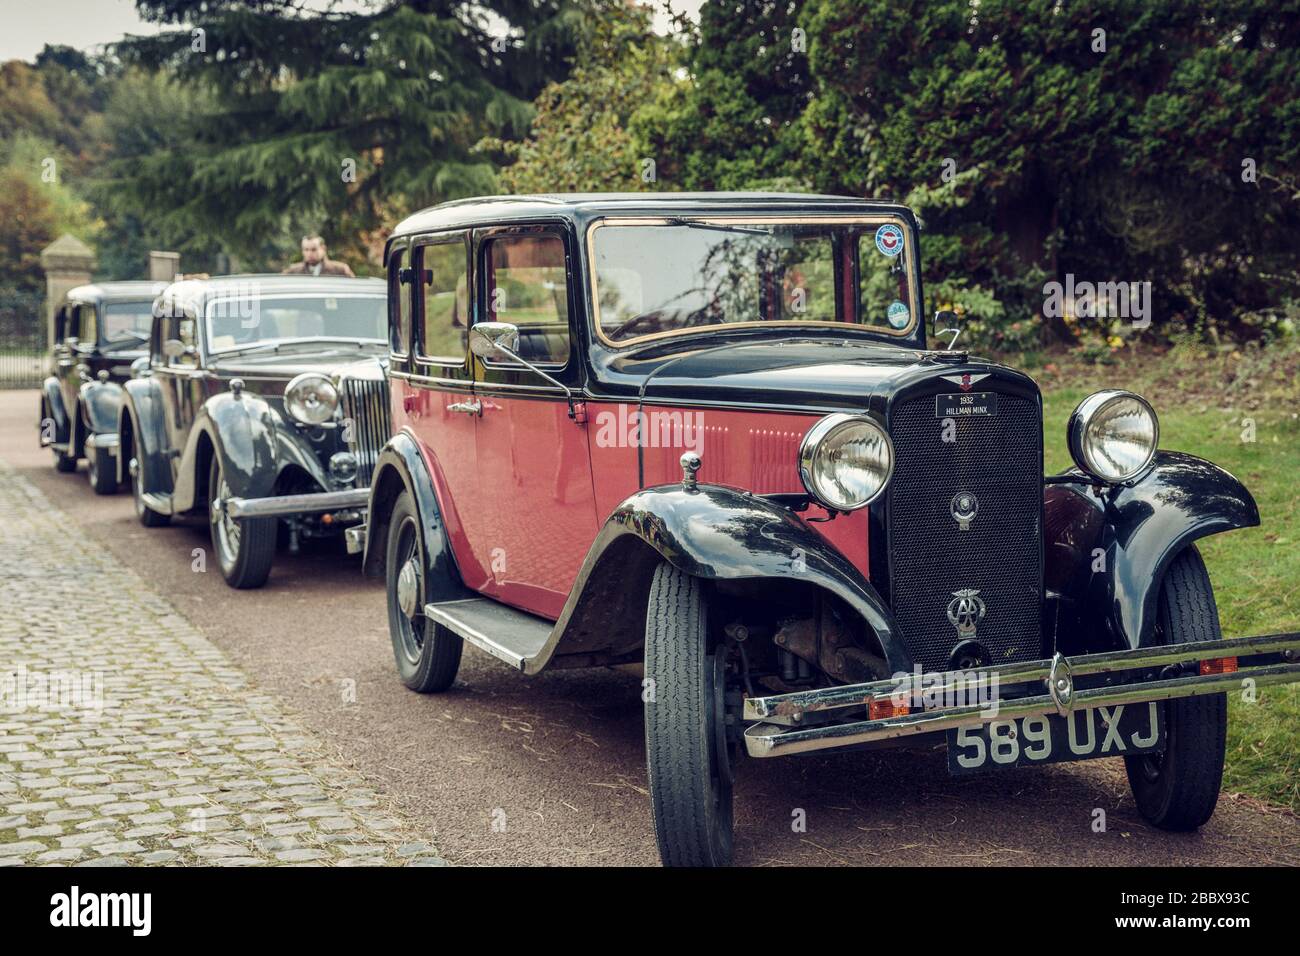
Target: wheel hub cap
[{"x": 408, "y": 587}]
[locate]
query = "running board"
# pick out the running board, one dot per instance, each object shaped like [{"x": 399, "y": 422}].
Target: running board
[{"x": 504, "y": 632}]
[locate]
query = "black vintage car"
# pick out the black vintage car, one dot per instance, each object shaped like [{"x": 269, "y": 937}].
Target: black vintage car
[
  {"x": 264, "y": 408},
  {"x": 710, "y": 433},
  {"x": 99, "y": 332}
]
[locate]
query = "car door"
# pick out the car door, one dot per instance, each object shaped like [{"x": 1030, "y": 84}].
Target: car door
[
  {"x": 433, "y": 391},
  {"x": 70, "y": 355},
  {"x": 180, "y": 379},
  {"x": 534, "y": 468}
]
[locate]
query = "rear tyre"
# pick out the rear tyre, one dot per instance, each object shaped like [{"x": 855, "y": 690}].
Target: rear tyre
[
  {"x": 427, "y": 654},
  {"x": 1177, "y": 790},
  {"x": 102, "y": 471},
  {"x": 687, "y": 755},
  {"x": 245, "y": 547}
]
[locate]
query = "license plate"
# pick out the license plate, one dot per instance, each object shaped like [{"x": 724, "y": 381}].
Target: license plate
[
  {"x": 1118, "y": 731},
  {"x": 965, "y": 404}
]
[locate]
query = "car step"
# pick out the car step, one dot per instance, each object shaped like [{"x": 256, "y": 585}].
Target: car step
[{"x": 504, "y": 632}]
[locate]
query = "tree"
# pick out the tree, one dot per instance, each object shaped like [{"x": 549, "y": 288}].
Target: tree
[
  {"x": 580, "y": 139},
  {"x": 1116, "y": 141},
  {"x": 338, "y": 120}
]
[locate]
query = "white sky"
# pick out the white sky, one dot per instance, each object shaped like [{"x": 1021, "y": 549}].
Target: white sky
[{"x": 27, "y": 25}]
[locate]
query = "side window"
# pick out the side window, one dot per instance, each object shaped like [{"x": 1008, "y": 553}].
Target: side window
[
  {"x": 399, "y": 301},
  {"x": 526, "y": 287},
  {"x": 182, "y": 328},
  {"x": 89, "y": 333},
  {"x": 444, "y": 292}
]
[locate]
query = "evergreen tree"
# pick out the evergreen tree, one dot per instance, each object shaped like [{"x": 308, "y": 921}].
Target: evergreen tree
[{"x": 340, "y": 121}]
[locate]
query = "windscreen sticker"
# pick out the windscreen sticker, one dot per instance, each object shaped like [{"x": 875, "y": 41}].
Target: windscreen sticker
[
  {"x": 898, "y": 314},
  {"x": 889, "y": 240}
]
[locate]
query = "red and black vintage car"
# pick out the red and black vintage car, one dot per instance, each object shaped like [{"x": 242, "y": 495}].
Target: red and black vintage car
[{"x": 707, "y": 433}]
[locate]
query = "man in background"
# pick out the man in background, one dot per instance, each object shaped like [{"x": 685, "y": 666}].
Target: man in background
[{"x": 315, "y": 262}]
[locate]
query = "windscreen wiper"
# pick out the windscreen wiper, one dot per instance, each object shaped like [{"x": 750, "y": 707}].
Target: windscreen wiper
[{"x": 717, "y": 226}]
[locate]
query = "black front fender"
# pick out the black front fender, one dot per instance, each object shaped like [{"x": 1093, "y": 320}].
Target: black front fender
[
  {"x": 52, "y": 407},
  {"x": 241, "y": 429},
  {"x": 142, "y": 426},
  {"x": 1109, "y": 550},
  {"x": 709, "y": 532},
  {"x": 101, "y": 402}
]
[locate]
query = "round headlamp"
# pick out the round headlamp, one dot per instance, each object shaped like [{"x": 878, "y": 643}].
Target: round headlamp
[
  {"x": 845, "y": 461},
  {"x": 311, "y": 398},
  {"x": 1113, "y": 435}
]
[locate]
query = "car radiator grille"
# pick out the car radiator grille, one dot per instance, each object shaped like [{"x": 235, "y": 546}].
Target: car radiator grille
[
  {"x": 368, "y": 422},
  {"x": 998, "y": 459}
]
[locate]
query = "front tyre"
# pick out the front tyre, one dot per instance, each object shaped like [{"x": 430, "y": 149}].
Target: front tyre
[
  {"x": 427, "y": 654},
  {"x": 102, "y": 471},
  {"x": 245, "y": 547},
  {"x": 687, "y": 754},
  {"x": 1177, "y": 790}
]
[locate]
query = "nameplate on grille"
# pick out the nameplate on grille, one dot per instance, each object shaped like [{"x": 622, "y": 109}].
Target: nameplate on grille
[{"x": 965, "y": 404}]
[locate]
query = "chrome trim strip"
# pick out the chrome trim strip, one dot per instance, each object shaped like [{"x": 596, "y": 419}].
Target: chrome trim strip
[
  {"x": 768, "y": 740},
  {"x": 295, "y": 504},
  {"x": 952, "y": 682}
]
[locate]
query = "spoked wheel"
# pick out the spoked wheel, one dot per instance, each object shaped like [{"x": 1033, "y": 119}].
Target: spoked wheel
[
  {"x": 427, "y": 654},
  {"x": 245, "y": 546},
  {"x": 687, "y": 754},
  {"x": 1178, "y": 789},
  {"x": 148, "y": 517},
  {"x": 101, "y": 469}
]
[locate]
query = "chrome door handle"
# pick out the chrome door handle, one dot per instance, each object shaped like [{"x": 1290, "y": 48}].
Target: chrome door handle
[{"x": 469, "y": 408}]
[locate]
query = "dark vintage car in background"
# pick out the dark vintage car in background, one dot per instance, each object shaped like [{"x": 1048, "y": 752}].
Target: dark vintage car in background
[
  {"x": 708, "y": 433},
  {"x": 264, "y": 408},
  {"x": 99, "y": 331}
]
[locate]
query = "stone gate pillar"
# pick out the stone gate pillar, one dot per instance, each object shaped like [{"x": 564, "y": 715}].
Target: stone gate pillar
[{"x": 67, "y": 262}]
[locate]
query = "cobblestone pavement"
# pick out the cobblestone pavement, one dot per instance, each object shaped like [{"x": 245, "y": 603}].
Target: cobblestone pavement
[{"x": 126, "y": 737}]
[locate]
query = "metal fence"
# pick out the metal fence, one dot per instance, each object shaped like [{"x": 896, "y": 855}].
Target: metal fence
[{"x": 22, "y": 338}]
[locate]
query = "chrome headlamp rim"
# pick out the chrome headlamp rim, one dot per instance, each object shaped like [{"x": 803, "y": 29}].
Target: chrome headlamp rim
[
  {"x": 823, "y": 429},
  {"x": 301, "y": 379},
  {"x": 1082, "y": 417}
]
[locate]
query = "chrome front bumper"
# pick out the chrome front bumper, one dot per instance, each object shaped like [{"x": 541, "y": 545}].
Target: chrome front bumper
[
  {"x": 295, "y": 504},
  {"x": 787, "y": 722}
]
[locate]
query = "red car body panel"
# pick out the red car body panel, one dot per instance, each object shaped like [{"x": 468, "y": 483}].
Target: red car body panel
[{"x": 527, "y": 451}]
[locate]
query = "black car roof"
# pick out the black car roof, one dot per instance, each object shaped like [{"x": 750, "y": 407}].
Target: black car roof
[
  {"x": 463, "y": 212},
  {"x": 193, "y": 291},
  {"x": 132, "y": 290}
]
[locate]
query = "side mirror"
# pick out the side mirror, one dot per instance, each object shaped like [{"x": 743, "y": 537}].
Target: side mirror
[
  {"x": 945, "y": 321},
  {"x": 494, "y": 340},
  {"x": 140, "y": 367},
  {"x": 501, "y": 340},
  {"x": 175, "y": 348}
]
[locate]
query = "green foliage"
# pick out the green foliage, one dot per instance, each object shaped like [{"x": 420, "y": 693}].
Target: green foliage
[
  {"x": 580, "y": 138},
  {"x": 338, "y": 121},
  {"x": 1107, "y": 139},
  {"x": 36, "y": 207}
]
